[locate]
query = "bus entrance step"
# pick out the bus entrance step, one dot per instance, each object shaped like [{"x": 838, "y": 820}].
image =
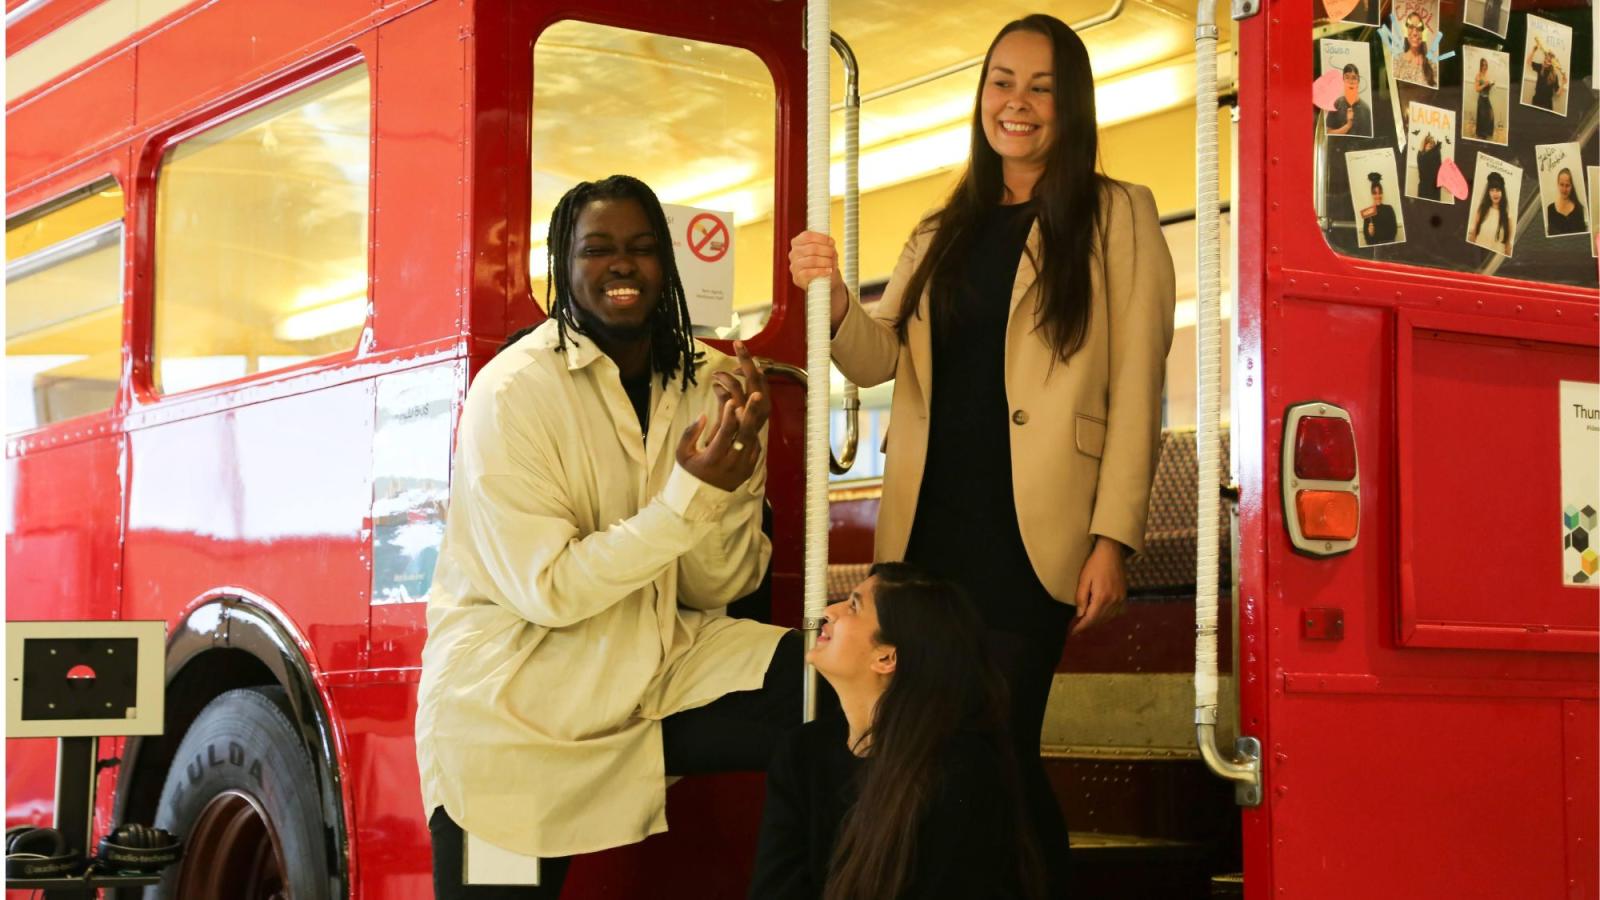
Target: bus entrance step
[
  {"x": 1118, "y": 866},
  {"x": 1227, "y": 887}
]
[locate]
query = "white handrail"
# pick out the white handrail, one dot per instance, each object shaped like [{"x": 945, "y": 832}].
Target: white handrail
[
  {"x": 1243, "y": 769},
  {"x": 818, "y": 321}
]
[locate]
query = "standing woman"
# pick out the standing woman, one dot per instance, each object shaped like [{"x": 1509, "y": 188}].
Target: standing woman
[
  {"x": 1483, "y": 128},
  {"x": 1026, "y": 326},
  {"x": 1378, "y": 220}
]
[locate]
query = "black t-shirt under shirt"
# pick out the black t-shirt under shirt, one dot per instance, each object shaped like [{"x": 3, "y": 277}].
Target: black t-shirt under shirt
[
  {"x": 638, "y": 389},
  {"x": 965, "y": 527},
  {"x": 963, "y": 842}
]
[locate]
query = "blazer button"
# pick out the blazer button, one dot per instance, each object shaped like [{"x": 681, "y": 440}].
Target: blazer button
[{"x": 1020, "y": 417}]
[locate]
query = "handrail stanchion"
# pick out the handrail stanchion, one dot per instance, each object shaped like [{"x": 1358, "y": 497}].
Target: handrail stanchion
[
  {"x": 849, "y": 265},
  {"x": 1243, "y": 768},
  {"x": 818, "y": 334}
]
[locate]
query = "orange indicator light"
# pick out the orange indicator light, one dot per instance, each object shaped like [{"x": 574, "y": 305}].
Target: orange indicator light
[{"x": 1327, "y": 515}]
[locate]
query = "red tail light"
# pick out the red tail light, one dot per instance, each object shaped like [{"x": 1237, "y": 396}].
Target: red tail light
[{"x": 1325, "y": 449}]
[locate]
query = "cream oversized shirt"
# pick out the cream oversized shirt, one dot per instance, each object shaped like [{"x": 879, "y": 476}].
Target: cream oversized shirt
[{"x": 578, "y": 601}]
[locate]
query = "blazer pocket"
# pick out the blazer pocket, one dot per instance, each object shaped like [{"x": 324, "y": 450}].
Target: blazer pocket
[{"x": 1090, "y": 435}]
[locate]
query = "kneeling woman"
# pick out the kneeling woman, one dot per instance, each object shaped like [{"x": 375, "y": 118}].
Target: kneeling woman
[{"x": 915, "y": 792}]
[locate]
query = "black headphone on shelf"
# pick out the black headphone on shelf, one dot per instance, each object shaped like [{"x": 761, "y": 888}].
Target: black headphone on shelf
[
  {"x": 39, "y": 853},
  {"x": 138, "y": 848}
]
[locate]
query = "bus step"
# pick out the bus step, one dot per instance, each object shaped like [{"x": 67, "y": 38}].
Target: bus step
[
  {"x": 1118, "y": 866},
  {"x": 1227, "y": 887}
]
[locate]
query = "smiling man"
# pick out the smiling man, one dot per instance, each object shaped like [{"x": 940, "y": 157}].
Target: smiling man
[{"x": 605, "y": 507}]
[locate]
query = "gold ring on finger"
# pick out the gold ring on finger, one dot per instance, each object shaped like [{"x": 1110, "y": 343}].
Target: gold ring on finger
[{"x": 738, "y": 445}]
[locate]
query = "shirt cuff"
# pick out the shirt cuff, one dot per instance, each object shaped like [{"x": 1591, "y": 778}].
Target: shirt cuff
[{"x": 692, "y": 498}]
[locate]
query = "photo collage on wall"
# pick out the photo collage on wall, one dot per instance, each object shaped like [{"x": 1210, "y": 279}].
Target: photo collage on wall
[{"x": 1463, "y": 130}]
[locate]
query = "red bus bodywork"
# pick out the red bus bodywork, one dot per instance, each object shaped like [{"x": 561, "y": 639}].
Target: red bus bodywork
[{"x": 241, "y": 514}]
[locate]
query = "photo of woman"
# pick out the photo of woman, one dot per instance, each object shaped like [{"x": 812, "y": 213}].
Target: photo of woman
[
  {"x": 1484, "y": 108},
  {"x": 1372, "y": 174},
  {"x": 1352, "y": 112},
  {"x": 1429, "y": 142},
  {"x": 1417, "y": 21},
  {"x": 1488, "y": 15},
  {"x": 1544, "y": 73},
  {"x": 1560, "y": 191},
  {"x": 1496, "y": 190}
]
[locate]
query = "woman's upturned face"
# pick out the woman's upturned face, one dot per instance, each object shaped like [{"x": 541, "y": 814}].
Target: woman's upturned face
[
  {"x": 848, "y": 646},
  {"x": 1018, "y": 107}
]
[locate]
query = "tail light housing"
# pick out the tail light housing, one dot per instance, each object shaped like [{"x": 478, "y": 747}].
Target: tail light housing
[{"x": 1321, "y": 479}]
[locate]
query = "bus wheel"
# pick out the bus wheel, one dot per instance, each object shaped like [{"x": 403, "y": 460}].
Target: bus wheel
[{"x": 242, "y": 793}]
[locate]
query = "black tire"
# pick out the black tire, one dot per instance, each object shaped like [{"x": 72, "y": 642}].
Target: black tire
[{"x": 244, "y": 754}]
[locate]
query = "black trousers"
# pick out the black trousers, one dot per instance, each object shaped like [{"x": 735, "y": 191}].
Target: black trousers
[
  {"x": 1027, "y": 661},
  {"x": 734, "y": 733}
]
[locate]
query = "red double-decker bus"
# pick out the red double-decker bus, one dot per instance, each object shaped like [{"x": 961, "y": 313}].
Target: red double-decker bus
[{"x": 257, "y": 249}]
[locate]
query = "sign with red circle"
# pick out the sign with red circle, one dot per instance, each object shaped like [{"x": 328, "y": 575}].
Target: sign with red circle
[{"x": 708, "y": 237}]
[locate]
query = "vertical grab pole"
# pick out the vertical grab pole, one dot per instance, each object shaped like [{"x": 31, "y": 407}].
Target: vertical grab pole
[
  {"x": 818, "y": 321},
  {"x": 849, "y": 257},
  {"x": 1244, "y": 767}
]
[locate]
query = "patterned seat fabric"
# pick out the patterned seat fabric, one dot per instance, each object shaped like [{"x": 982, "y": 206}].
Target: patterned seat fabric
[{"x": 1167, "y": 565}]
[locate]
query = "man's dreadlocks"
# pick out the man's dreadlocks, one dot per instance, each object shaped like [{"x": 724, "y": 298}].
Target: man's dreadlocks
[{"x": 671, "y": 343}]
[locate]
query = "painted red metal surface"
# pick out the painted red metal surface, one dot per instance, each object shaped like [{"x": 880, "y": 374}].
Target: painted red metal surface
[{"x": 1391, "y": 770}]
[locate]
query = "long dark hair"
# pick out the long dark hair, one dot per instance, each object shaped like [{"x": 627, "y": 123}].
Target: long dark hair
[
  {"x": 1503, "y": 228},
  {"x": 672, "y": 346},
  {"x": 944, "y": 683},
  {"x": 1068, "y": 201}
]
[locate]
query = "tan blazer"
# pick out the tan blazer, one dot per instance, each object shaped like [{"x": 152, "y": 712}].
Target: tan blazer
[{"x": 1084, "y": 435}]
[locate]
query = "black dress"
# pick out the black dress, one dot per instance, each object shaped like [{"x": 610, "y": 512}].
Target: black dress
[
  {"x": 1571, "y": 223},
  {"x": 1544, "y": 89},
  {"x": 964, "y": 841},
  {"x": 1484, "y": 128},
  {"x": 965, "y": 528},
  {"x": 1428, "y": 163}
]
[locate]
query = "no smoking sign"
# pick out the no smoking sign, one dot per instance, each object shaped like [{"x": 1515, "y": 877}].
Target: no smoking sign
[
  {"x": 702, "y": 244},
  {"x": 708, "y": 237}
]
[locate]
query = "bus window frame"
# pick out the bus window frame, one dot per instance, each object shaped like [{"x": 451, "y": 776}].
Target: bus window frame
[
  {"x": 360, "y": 51},
  {"x": 1292, "y": 241},
  {"x": 57, "y": 192},
  {"x": 662, "y": 24}
]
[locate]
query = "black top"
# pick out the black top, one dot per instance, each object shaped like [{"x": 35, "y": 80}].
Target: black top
[
  {"x": 638, "y": 389},
  {"x": 965, "y": 528},
  {"x": 963, "y": 843},
  {"x": 1544, "y": 90},
  {"x": 1382, "y": 228},
  {"x": 1571, "y": 223},
  {"x": 1343, "y": 110}
]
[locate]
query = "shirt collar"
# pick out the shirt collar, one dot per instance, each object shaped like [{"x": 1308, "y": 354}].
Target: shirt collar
[{"x": 580, "y": 350}]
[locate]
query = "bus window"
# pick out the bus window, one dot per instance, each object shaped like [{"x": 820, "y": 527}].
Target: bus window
[
  {"x": 1477, "y": 109},
  {"x": 64, "y": 308},
  {"x": 695, "y": 121},
  {"x": 261, "y": 237}
]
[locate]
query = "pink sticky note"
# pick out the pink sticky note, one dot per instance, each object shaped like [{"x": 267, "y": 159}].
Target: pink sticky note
[
  {"x": 1327, "y": 89},
  {"x": 1451, "y": 179}
]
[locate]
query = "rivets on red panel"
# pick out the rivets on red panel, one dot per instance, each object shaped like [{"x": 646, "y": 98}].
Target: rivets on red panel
[
  {"x": 1274, "y": 160},
  {"x": 1519, "y": 309}
]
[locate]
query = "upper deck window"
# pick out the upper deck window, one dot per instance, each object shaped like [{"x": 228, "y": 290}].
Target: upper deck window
[
  {"x": 64, "y": 308},
  {"x": 1508, "y": 101},
  {"x": 261, "y": 237},
  {"x": 696, "y": 121}
]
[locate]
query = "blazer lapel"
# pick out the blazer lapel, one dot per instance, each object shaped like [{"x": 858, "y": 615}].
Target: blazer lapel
[
  {"x": 1026, "y": 273},
  {"x": 919, "y": 334}
]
